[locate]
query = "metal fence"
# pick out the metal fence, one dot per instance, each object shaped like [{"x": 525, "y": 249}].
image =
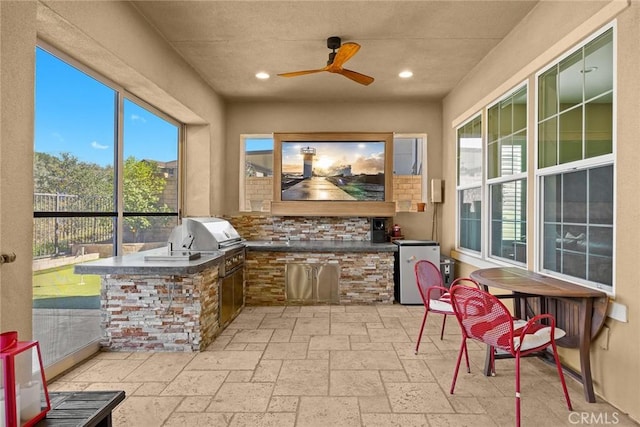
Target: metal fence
[{"x": 55, "y": 236}]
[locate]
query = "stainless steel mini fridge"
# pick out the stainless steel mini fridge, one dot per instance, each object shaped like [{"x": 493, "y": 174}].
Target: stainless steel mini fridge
[{"x": 409, "y": 252}]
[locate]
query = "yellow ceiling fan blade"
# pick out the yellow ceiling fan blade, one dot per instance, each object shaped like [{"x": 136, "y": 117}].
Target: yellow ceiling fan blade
[
  {"x": 346, "y": 51},
  {"x": 301, "y": 73},
  {"x": 356, "y": 77}
]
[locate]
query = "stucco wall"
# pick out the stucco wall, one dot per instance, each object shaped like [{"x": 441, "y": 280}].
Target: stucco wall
[
  {"x": 115, "y": 41},
  {"x": 399, "y": 117},
  {"x": 549, "y": 30}
]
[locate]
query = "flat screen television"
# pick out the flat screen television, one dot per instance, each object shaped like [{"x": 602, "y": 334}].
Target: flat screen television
[{"x": 332, "y": 172}]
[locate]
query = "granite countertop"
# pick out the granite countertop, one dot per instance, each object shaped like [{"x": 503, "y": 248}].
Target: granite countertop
[
  {"x": 319, "y": 246},
  {"x": 135, "y": 263}
]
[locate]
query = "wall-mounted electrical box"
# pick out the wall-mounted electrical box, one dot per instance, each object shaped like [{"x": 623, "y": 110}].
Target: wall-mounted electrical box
[{"x": 436, "y": 191}]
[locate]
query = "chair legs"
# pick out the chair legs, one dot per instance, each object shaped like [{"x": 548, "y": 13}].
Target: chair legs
[
  {"x": 424, "y": 320},
  {"x": 463, "y": 349},
  {"x": 561, "y": 375}
]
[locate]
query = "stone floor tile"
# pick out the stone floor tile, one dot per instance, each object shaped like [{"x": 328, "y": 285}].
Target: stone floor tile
[
  {"x": 292, "y": 350},
  {"x": 112, "y": 355},
  {"x": 151, "y": 389},
  {"x": 283, "y": 404},
  {"x": 371, "y": 346},
  {"x": 361, "y": 309},
  {"x": 329, "y": 342},
  {"x": 358, "y": 338},
  {"x": 68, "y": 386},
  {"x": 328, "y": 411},
  {"x": 194, "y": 404},
  {"x": 388, "y": 335},
  {"x": 315, "y": 309},
  {"x": 258, "y": 346},
  {"x": 264, "y": 309},
  {"x": 278, "y": 323},
  {"x": 160, "y": 367},
  {"x": 242, "y": 397},
  {"x": 355, "y": 383},
  {"x": 267, "y": 371},
  {"x": 281, "y": 335},
  {"x": 462, "y": 420},
  {"x": 246, "y": 321},
  {"x": 239, "y": 377},
  {"x": 182, "y": 419},
  {"x": 397, "y": 376},
  {"x": 395, "y": 420},
  {"x": 318, "y": 354},
  {"x": 269, "y": 419},
  {"x": 303, "y": 378},
  {"x": 391, "y": 323},
  {"x": 195, "y": 383},
  {"x": 417, "y": 398},
  {"x": 236, "y": 346},
  {"x": 220, "y": 343},
  {"x": 300, "y": 338},
  {"x": 358, "y": 317},
  {"x": 343, "y": 328},
  {"x": 311, "y": 326},
  {"x": 374, "y": 325},
  {"x": 466, "y": 405},
  {"x": 252, "y": 336},
  {"x": 373, "y": 360},
  {"x": 145, "y": 411},
  {"x": 109, "y": 370},
  {"x": 417, "y": 371},
  {"x": 129, "y": 388},
  {"x": 225, "y": 360},
  {"x": 377, "y": 404},
  {"x": 338, "y": 308}
]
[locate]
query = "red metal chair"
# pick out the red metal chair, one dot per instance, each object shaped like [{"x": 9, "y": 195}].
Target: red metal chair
[
  {"x": 434, "y": 295},
  {"x": 484, "y": 318}
]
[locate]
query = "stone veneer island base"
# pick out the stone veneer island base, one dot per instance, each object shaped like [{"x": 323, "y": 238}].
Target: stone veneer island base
[
  {"x": 156, "y": 305},
  {"x": 366, "y": 269}
]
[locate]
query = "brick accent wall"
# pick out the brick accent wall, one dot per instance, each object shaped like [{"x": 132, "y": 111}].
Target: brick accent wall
[
  {"x": 365, "y": 278},
  {"x": 407, "y": 189},
  {"x": 159, "y": 313},
  {"x": 266, "y": 227},
  {"x": 258, "y": 188}
]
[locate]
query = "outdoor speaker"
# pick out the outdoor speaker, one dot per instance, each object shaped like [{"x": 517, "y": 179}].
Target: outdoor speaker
[{"x": 378, "y": 230}]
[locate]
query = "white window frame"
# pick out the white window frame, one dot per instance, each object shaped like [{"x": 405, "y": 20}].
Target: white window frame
[
  {"x": 488, "y": 182},
  {"x": 481, "y": 185},
  {"x": 588, "y": 163}
]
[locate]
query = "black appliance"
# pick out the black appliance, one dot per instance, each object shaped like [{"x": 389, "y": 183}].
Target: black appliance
[{"x": 378, "y": 230}]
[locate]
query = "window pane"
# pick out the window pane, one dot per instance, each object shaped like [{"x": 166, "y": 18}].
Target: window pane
[
  {"x": 599, "y": 126},
  {"x": 509, "y": 220},
  {"x": 407, "y": 156},
  {"x": 520, "y": 152},
  {"x": 570, "y": 81},
  {"x": 547, "y": 143},
  {"x": 574, "y": 197},
  {"x": 470, "y": 153},
  {"x": 493, "y": 160},
  {"x": 74, "y": 139},
  {"x": 470, "y": 218},
  {"x": 547, "y": 94},
  {"x": 579, "y": 243},
  {"x": 506, "y": 119},
  {"x": 520, "y": 110},
  {"x": 493, "y": 124},
  {"x": 600, "y": 195},
  {"x": 150, "y": 175},
  {"x": 258, "y": 160},
  {"x": 598, "y": 66},
  {"x": 571, "y": 135}
]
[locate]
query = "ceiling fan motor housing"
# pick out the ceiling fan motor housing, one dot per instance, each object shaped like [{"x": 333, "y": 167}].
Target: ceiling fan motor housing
[{"x": 334, "y": 43}]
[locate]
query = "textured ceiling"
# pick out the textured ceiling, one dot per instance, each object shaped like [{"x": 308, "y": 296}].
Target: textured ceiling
[{"x": 228, "y": 42}]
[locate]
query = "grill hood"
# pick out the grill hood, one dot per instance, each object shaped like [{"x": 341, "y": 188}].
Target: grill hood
[{"x": 203, "y": 235}]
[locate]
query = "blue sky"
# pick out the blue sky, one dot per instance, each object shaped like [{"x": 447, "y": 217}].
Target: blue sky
[{"x": 75, "y": 114}]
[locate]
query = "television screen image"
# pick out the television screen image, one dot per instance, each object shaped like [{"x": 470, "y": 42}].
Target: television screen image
[{"x": 333, "y": 170}]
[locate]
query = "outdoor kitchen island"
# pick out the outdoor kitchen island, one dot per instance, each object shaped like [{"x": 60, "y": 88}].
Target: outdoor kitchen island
[
  {"x": 170, "y": 305},
  {"x": 304, "y": 271}
]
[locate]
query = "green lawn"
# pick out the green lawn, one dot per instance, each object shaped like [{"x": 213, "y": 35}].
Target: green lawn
[{"x": 61, "y": 282}]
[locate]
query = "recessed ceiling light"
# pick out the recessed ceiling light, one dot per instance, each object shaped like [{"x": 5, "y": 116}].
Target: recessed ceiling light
[
  {"x": 262, "y": 75},
  {"x": 405, "y": 74}
]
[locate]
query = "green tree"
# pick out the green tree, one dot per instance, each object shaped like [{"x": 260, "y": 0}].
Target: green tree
[{"x": 143, "y": 186}]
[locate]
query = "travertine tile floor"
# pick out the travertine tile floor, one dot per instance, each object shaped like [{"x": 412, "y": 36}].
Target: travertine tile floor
[{"x": 330, "y": 366}]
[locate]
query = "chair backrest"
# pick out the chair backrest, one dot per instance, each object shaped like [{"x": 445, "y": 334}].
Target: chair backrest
[
  {"x": 428, "y": 275},
  {"x": 482, "y": 316}
]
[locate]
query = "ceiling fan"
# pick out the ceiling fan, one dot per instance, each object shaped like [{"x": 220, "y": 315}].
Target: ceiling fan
[{"x": 336, "y": 60}]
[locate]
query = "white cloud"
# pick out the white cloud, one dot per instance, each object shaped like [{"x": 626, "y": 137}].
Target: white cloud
[
  {"x": 57, "y": 136},
  {"x": 98, "y": 146},
  {"x": 135, "y": 117}
]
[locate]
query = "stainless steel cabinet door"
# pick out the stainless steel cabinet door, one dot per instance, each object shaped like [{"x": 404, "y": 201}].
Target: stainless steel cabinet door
[
  {"x": 326, "y": 283},
  {"x": 299, "y": 282}
]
